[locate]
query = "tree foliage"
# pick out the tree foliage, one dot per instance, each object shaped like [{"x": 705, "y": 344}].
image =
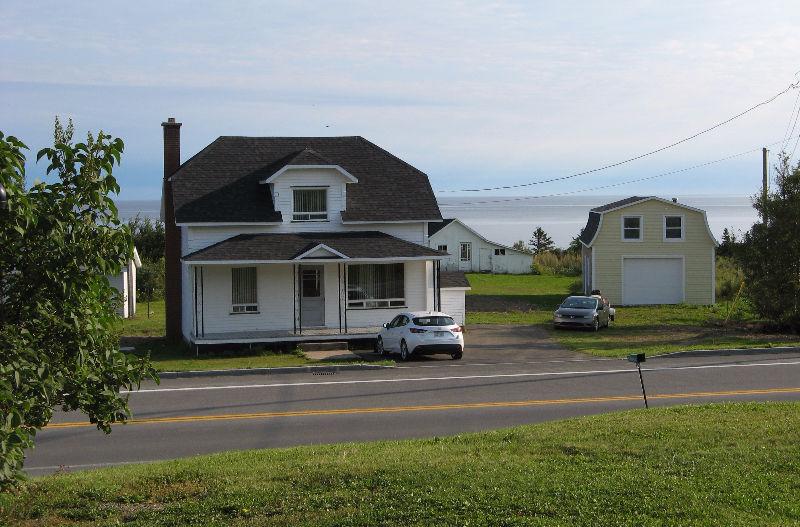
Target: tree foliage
[
  {"x": 57, "y": 310},
  {"x": 770, "y": 253},
  {"x": 520, "y": 246},
  {"x": 148, "y": 237},
  {"x": 540, "y": 241}
]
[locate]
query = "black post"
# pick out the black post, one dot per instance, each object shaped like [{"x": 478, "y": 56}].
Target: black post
[
  {"x": 641, "y": 380},
  {"x": 639, "y": 358},
  {"x": 339, "y": 287}
]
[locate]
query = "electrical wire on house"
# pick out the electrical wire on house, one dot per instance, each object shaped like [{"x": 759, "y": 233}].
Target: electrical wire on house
[
  {"x": 634, "y": 158},
  {"x": 612, "y": 185}
]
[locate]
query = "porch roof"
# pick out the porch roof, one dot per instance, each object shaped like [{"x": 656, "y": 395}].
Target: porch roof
[{"x": 312, "y": 246}]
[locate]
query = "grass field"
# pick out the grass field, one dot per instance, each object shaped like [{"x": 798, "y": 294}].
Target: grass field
[
  {"x": 141, "y": 325},
  {"x": 648, "y": 329},
  {"x": 724, "y": 464}
]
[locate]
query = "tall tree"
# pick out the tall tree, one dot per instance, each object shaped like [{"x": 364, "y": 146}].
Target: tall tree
[
  {"x": 575, "y": 245},
  {"x": 540, "y": 241},
  {"x": 60, "y": 241},
  {"x": 770, "y": 255}
]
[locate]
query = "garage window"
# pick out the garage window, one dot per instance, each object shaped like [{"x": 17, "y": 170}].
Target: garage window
[
  {"x": 499, "y": 252},
  {"x": 443, "y": 248},
  {"x": 632, "y": 228},
  {"x": 673, "y": 228}
]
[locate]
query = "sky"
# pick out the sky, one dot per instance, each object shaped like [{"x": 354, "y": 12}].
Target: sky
[{"x": 474, "y": 94}]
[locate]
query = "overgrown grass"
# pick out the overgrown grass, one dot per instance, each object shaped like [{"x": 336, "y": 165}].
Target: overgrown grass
[
  {"x": 720, "y": 464},
  {"x": 648, "y": 329}
]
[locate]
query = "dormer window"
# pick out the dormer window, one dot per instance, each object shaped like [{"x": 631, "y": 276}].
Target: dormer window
[{"x": 310, "y": 204}]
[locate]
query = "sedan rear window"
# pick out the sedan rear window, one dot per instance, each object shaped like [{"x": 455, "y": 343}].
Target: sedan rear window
[{"x": 434, "y": 321}]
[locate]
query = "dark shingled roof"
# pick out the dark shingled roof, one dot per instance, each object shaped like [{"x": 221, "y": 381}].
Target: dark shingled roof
[
  {"x": 288, "y": 246},
  {"x": 619, "y": 203},
  {"x": 221, "y": 182},
  {"x": 435, "y": 227},
  {"x": 593, "y": 223},
  {"x": 588, "y": 232},
  {"x": 453, "y": 279}
]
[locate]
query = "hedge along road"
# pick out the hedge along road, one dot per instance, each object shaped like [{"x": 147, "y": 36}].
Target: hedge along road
[{"x": 183, "y": 417}]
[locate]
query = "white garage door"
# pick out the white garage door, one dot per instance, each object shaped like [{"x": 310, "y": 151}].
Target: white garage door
[
  {"x": 453, "y": 301},
  {"x": 652, "y": 281}
]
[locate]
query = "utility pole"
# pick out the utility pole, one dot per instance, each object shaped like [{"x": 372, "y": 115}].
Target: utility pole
[{"x": 764, "y": 182}]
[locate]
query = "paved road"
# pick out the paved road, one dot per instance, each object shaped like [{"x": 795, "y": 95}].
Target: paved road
[{"x": 184, "y": 417}]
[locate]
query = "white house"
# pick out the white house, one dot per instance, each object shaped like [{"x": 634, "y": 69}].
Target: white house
[
  {"x": 125, "y": 283},
  {"x": 296, "y": 238},
  {"x": 469, "y": 251}
]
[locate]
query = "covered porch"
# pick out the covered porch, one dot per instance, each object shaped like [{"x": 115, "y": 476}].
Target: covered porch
[{"x": 296, "y": 287}]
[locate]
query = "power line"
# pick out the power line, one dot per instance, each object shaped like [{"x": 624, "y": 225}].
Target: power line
[
  {"x": 619, "y": 184},
  {"x": 792, "y": 122},
  {"x": 631, "y": 159}
]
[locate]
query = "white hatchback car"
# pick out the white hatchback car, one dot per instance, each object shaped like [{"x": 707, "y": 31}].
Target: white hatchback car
[{"x": 421, "y": 333}]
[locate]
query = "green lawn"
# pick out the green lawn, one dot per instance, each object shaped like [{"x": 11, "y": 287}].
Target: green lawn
[
  {"x": 146, "y": 335},
  {"x": 168, "y": 357},
  {"x": 141, "y": 325},
  {"x": 649, "y": 329},
  {"x": 721, "y": 464}
]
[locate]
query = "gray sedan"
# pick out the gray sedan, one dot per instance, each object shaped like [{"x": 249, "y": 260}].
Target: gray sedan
[{"x": 582, "y": 312}]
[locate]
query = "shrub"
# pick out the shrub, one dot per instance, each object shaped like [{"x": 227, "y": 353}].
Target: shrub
[
  {"x": 550, "y": 263},
  {"x": 729, "y": 278}
]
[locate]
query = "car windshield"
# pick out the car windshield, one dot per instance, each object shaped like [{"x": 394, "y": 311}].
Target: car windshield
[
  {"x": 577, "y": 302},
  {"x": 434, "y": 321}
]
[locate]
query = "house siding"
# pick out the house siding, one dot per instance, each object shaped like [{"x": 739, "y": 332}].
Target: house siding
[
  {"x": 276, "y": 296},
  {"x": 513, "y": 262},
  {"x": 696, "y": 249}
]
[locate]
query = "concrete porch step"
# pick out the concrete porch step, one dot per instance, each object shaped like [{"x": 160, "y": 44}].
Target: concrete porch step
[{"x": 324, "y": 346}]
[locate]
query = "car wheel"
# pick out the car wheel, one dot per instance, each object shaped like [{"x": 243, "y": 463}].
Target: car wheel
[
  {"x": 379, "y": 347},
  {"x": 596, "y": 325},
  {"x": 457, "y": 355},
  {"x": 404, "y": 353}
]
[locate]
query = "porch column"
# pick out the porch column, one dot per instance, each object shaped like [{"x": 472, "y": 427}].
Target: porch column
[{"x": 339, "y": 288}]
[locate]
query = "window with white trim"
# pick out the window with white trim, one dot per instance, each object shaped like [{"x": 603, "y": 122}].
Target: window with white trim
[
  {"x": 499, "y": 252},
  {"x": 376, "y": 285},
  {"x": 673, "y": 228},
  {"x": 631, "y": 227},
  {"x": 244, "y": 290},
  {"x": 442, "y": 248},
  {"x": 466, "y": 251},
  {"x": 310, "y": 204}
]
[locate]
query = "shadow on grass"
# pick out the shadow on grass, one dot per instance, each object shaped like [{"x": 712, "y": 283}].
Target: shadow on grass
[{"x": 507, "y": 303}]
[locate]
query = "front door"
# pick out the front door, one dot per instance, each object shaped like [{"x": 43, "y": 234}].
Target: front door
[{"x": 312, "y": 293}]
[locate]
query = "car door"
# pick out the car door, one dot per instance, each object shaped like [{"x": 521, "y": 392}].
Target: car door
[
  {"x": 390, "y": 334},
  {"x": 400, "y": 330}
]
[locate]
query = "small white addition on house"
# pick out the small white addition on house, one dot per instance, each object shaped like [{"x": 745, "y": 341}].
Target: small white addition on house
[{"x": 469, "y": 251}]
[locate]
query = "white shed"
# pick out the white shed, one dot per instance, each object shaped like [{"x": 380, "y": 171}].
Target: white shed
[
  {"x": 125, "y": 283},
  {"x": 469, "y": 251},
  {"x": 454, "y": 286}
]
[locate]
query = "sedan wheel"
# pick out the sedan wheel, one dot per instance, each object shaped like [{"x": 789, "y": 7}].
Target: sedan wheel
[
  {"x": 457, "y": 355},
  {"x": 404, "y": 353},
  {"x": 379, "y": 347}
]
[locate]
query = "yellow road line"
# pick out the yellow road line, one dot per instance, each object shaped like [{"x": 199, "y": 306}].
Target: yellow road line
[{"x": 424, "y": 408}]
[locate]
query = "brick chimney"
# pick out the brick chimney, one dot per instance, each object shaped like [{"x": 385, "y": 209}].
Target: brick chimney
[{"x": 172, "y": 234}]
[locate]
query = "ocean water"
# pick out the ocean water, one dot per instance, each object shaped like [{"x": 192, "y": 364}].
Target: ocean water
[{"x": 562, "y": 217}]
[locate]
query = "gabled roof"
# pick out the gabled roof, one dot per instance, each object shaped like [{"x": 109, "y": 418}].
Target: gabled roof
[
  {"x": 434, "y": 228},
  {"x": 221, "y": 183},
  {"x": 299, "y": 247}
]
